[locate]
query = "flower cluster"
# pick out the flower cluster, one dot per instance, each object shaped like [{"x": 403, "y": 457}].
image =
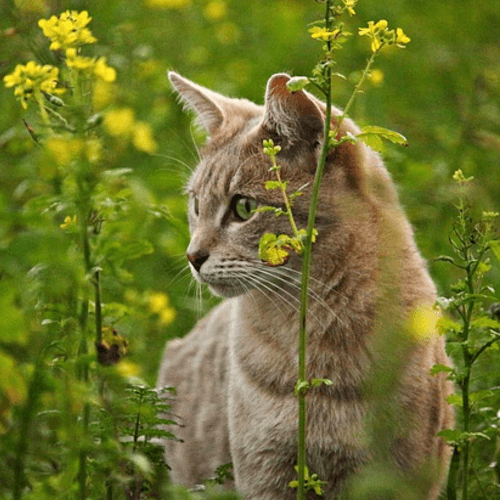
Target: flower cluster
[
  {"x": 380, "y": 35},
  {"x": 68, "y": 30},
  {"x": 32, "y": 80}
]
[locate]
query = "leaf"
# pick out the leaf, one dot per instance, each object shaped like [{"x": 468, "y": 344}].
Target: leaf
[
  {"x": 437, "y": 368},
  {"x": 455, "y": 400},
  {"x": 316, "y": 382},
  {"x": 372, "y": 135},
  {"x": 297, "y": 83},
  {"x": 451, "y": 435},
  {"x": 474, "y": 397},
  {"x": 275, "y": 185},
  {"x": 446, "y": 325},
  {"x": 301, "y": 387}
]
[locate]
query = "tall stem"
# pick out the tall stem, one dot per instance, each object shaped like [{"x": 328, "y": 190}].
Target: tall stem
[{"x": 306, "y": 265}]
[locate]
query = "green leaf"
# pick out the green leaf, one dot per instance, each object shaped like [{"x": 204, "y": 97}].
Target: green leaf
[
  {"x": 275, "y": 185},
  {"x": 441, "y": 368},
  {"x": 316, "y": 382},
  {"x": 474, "y": 397},
  {"x": 301, "y": 387},
  {"x": 455, "y": 400},
  {"x": 451, "y": 435},
  {"x": 372, "y": 135},
  {"x": 297, "y": 83},
  {"x": 446, "y": 325}
]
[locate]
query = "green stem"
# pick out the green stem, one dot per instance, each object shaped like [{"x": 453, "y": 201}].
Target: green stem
[
  {"x": 288, "y": 205},
  {"x": 305, "y": 271}
]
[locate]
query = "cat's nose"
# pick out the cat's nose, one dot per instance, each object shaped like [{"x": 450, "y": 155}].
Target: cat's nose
[{"x": 197, "y": 258}]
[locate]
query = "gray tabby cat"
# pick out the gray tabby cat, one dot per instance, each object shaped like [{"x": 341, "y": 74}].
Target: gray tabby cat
[{"x": 235, "y": 372}]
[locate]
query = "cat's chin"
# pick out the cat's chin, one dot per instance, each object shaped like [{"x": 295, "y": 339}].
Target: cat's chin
[{"x": 227, "y": 291}]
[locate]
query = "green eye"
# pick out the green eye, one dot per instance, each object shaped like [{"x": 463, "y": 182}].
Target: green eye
[
  {"x": 196, "y": 206},
  {"x": 244, "y": 207}
]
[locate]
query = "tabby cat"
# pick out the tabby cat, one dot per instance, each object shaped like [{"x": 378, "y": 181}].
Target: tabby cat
[{"x": 235, "y": 372}]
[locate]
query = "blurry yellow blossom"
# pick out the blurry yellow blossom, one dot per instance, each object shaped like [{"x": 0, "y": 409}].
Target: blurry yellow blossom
[
  {"x": 422, "y": 322},
  {"x": 103, "y": 94},
  {"x": 128, "y": 369},
  {"x": 68, "y": 222},
  {"x": 68, "y": 30},
  {"x": 376, "y": 77},
  {"x": 103, "y": 71},
  {"x": 215, "y": 10},
  {"x": 159, "y": 304},
  {"x": 32, "y": 79},
  {"x": 93, "y": 149},
  {"x": 459, "y": 177},
  {"x": 143, "y": 138},
  {"x": 168, "y": 4},
  {"x": 64, "y": 150},
  {"x": 119, "y": 122}
]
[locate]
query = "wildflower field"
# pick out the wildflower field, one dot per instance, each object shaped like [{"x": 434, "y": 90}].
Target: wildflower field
[{"x": 95, "y": 152}]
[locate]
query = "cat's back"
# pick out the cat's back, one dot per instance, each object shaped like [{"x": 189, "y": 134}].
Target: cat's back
[{"x": 196, "y": 366}]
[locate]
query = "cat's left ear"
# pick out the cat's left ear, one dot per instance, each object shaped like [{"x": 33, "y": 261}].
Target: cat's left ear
[
  {"x": 215, "y": 112},
  {"x": 293, "y": 116}
]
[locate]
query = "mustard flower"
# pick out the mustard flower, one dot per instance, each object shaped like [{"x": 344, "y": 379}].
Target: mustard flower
[
  {"x": 323, "y": 34},
  {"x": 68, "y": 30},
  {"x": 382, "y": 36},
  {"x": 349, "y": 5},
  {"x": 401, "y": 38},
  {"x": 31, "y": 79}
]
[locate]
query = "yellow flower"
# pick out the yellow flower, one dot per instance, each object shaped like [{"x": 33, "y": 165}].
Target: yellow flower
[
  {"x": 401, "y": 38},
  {"x": 74, "y": 61},
  {"x": 376, "y": 77},
  {"x": 32, "y": 79},
  {"x": 128, "y": 369},
  {"x": 349, "y": 5},
  {"x": 64, "y": 151},
  {"x": 68, "y": 222},
  {"x": 143, "y": 138},
  {"x": 103, "y": 94},
  {"x": 323, "y": 33},
  {"x": 68, "y": 30},
  {"x": 89, "y": 65},
  {"x": 159, "y": 304},
  {"x": 168, "y": 4},
  {"x": 119, "y": 122},
  {"x": 103, "y": 71}
]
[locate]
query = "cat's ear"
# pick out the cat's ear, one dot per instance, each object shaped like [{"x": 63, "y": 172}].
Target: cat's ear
[
  {"x": 215, "y": 112},
  {"x": 202, "y": 101},
  {"x": 293, "y": 116}
]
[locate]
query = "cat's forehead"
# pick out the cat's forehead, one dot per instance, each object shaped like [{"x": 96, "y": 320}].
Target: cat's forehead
[{"x": 233, "y": 166}]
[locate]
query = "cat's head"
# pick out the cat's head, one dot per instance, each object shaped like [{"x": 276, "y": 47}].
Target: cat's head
[{"x": 229, "y": 183}]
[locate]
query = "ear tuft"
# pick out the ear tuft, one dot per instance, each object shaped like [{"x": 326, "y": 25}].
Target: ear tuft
[{"x": 294, "y": 116}]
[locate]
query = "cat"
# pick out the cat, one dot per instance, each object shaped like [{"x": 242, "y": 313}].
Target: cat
[{"x": 235, "y": 372}]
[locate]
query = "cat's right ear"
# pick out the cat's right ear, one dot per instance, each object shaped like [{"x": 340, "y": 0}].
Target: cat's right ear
[{"x": 295, "y": 117}]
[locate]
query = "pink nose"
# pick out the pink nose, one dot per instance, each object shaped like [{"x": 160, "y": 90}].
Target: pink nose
[{"x": 197, "y": 259}]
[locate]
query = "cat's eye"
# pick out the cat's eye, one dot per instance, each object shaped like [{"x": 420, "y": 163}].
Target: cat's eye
[
  {"x": 243, "y": 207},
  {"x": 196, "y": 205}
]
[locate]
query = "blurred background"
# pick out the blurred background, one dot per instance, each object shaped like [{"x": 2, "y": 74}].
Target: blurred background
[{"x": 442, "y": 92}]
